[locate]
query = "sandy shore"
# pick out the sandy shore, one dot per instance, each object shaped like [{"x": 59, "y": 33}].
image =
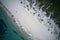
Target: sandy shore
[{"x": 10, "y": 17}]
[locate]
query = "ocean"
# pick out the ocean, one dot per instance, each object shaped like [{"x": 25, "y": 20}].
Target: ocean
[{"x": 7, "y": 30}]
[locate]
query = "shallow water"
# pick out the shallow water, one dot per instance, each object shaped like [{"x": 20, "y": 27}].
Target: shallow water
[{"x": 7, "y": 30}]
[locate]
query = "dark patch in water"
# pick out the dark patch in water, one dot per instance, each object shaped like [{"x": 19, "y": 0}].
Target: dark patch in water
[
  {"x": 22, "y": 38},
  {"x": 0, "y": 38},
  {"x": 2, "y": 27},
  {"x": 15, "y": 32}
]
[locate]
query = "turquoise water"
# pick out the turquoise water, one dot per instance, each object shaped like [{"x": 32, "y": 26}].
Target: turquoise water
[{"x": 7, "y": 30}]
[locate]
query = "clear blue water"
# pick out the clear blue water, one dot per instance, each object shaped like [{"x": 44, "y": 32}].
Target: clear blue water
[{"x": 7, "y": 31}]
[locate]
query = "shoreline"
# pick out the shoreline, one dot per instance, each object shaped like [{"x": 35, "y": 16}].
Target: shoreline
[
  {"x": 12, "y": 20},
  {"x": 17, "y": 15}
]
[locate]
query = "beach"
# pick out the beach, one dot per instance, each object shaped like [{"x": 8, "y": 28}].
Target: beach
[
  {"x": 29, "y": 20},
  {"x": 17, "y": 30}
]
